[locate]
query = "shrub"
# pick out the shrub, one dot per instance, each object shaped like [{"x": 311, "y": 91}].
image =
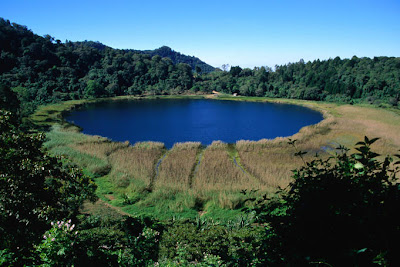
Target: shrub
[
  {"x": 339, "y": 211},
  {"x": 189, "y": 242},
  {"x": 34, "y": 189},
  {"x": 58, "y": 244}
]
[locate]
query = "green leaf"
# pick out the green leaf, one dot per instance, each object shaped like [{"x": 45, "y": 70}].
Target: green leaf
[
  {"x": 362, "y": 149},
  {"x": 61, "y": 251},
  {"x": 358, "y": 165},
  {"x": 362, "y": 250},
  {"x": 358, "y": 156},
  {"x": 374, "y": 155},
  {"x": 373, "y": 140}
]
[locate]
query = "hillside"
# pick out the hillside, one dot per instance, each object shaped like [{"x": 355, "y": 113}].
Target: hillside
[
  {"x": 371, "y": 80},
  {"x": 163, "y": 51},
  {"x": 43, "y": 69},
  {"x": 177, "y": 57}
]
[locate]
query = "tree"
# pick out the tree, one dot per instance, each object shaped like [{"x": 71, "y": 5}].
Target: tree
[
  {"x": 185, "y": 76},
  {"x": 8, "y": 99},
  {"x": 198, "y": 70},
  {"x": 235, "y": 71},
  {"x": 93, "y": 89},
  {"x": 225, "y": 67},
  {"x": 260, "y": 91},
  {"x": 35, "y": 188},
  {"x": 341, "y": 213},
  {"x": 312, "y": 93}
]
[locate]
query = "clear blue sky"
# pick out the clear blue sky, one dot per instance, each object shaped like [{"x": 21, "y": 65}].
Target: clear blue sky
[{"x": 246, "y": 33}]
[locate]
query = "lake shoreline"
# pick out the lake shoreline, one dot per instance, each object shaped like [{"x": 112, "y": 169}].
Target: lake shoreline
[
  {"x": 207, "y": 181},
  {"x": 177, "y": 120},
  {"x": 48, "y": 115}
]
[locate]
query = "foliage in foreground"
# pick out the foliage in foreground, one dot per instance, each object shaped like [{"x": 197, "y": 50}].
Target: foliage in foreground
[
  {"x": 337, "y": 212},
  {"x": 233, "y": 244},
  {"x": 34, "y": 188},
  {"x": 100, "y": 241}
]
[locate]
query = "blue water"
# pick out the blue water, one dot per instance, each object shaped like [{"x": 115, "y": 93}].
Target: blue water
[{"x": 180, "y": 120}]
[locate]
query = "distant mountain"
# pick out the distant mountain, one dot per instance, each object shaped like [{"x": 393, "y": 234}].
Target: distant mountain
[
  {"x": 93, "y": 44},
  {"x": 163, "y": 51},
  {"x": 177, "y": 57}
]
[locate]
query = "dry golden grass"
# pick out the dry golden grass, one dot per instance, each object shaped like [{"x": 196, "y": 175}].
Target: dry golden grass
[
  {"x": 177, "y": 168},
  {"x": 348, "y": 124},
  {"x": 365, "y": 121},
  {"x": 138, "y": 161},
  {"x": 218, "y": 172},
  {"x": 270, "y": 161},
  {"x": 100, "y": 148}
]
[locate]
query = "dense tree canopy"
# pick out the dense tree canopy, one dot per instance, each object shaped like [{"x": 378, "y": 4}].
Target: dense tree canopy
[
  {"x": 176, "y": 57},
  {"x": 331, "y": 80}
]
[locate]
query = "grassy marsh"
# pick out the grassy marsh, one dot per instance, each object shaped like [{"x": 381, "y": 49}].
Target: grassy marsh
[
  {"x": 177, "y": 168},
  {"x": 138, "y": 161},
  {"x": 217, "y": 171}
]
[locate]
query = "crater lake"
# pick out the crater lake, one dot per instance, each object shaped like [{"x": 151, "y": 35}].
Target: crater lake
[{"x": 182, "y": 120}]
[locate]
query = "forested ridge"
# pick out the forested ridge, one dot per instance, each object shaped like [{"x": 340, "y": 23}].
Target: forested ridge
[
  {"x": 163, "y": 51},
  {"x": 43, "y": 70},
  {"x": 332, "y": 80},
  {"x": 177, "y": 57}
]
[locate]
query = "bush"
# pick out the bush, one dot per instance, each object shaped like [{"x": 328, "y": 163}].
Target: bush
[
  {"x": 186, "y": 237},
  {"x": 123, "y": 241},
  {"x": 58, "y": 244},
  {"x": 188, "y": 242},
  {"x": 35, "y": 188},
  {"x": 339, "y": 211}
]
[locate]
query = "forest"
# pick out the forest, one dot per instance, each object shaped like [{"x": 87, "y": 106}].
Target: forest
[
  {"x": 43, "y": 70},
  {"x": 336, "y": 211}
]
